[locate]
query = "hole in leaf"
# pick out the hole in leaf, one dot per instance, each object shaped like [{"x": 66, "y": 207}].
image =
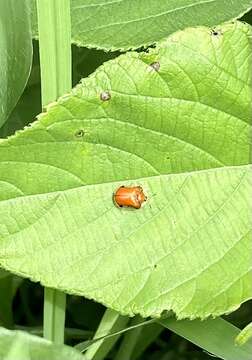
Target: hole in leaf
[
  {"x": 215, "y": 32},
  {"x": 79, "y": 133}
]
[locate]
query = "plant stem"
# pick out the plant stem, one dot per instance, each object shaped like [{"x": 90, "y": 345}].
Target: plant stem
[
  {"x": 54, "y": 27},
  {"x": 54, "y": 315}
]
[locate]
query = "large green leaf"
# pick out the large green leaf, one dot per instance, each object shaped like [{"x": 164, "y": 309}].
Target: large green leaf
[
  {"x": 125, "y": 24},
  {"x": 15, "y": 53},
  {"x": 19, "y": 345},
  {"x": 180, "y": 131}
]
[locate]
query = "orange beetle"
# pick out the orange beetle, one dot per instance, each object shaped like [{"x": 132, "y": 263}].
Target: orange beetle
[{"x": 129, "y": 196}]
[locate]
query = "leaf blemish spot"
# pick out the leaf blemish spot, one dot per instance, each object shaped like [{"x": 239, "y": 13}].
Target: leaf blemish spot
[
  {"x": 79, "y": 133},
  {"x": 216, "y": 32},
  {"x": 155, "y": 66},
  {"x": 105, "y": 96}
]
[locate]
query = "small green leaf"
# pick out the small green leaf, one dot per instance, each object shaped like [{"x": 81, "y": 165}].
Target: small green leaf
[
  {"x": 127, "y": 24},
  {"x": 176, "y": 121},
  {"x": 20, "y": 345},
  {"x": 15, "y": 53}
]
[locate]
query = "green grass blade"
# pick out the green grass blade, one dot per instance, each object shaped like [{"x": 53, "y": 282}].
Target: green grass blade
[
  {"x": 55, "y": 61},
  {"x": 55, "y": 48},
  {"x": 244, "y": 335},
  {"x": 112, "y": 321},
  {"x": 148, "y": 334},
  {"x": 85, "y": 345},
  {"x": 216, "y": 336},
  {"x": 129, "y": 341}
]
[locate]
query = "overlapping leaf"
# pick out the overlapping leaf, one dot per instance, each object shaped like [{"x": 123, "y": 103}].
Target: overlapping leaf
[
  {"x": 177, "y": 123},
  {"x": 127, "y": 24},
  {"x": 15, "y": 53},
  {"x": 20, "y": 345}
]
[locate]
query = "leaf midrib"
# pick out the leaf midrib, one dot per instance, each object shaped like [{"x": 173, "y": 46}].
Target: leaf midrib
[
  {"x": 147, "y": 221},
  {"x": 245, "y": 167}
]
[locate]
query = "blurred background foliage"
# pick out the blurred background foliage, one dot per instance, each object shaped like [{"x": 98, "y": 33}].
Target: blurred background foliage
[{"x": 83, "y": 317}]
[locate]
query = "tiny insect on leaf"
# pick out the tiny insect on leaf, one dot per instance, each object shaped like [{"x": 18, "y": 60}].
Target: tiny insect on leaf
[{"x": 129, "y": 197}]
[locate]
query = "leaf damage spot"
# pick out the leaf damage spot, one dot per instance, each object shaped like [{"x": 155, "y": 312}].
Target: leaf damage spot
[
  {"x": 105, "y": 96},
  {"x": 155, "y": 66},
  {"x": 79, "y": 133},
  {"x": 216, "y": 32}
]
